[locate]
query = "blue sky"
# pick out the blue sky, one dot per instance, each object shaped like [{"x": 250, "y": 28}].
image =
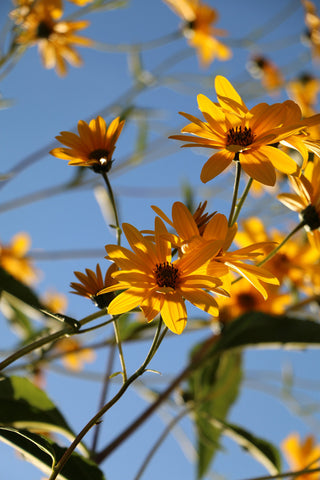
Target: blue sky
[{"x": 43, "y": 105}]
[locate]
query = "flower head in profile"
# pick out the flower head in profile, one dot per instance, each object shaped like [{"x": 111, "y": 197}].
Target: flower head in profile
[
  {"x": 199, "y": 19},
  {"x": 269, "y": 74},
  {"x": 92, "y": 283},
  {"x": 304, "y": 91},
  {"x": 93, "y": 147},
  {"x": 312, "y": 21},
  {"x": 306, "y": 199},
  {"x": 74, "y": 356},
  {"x": 154, "y": 282},
  {"x": 40, "y": 24},
  {"x": 190, "y": 238},
  {"x": 14, "y": 258},
  {"x": 243, "y": 135},
  {"x": 302, "y": 454}
]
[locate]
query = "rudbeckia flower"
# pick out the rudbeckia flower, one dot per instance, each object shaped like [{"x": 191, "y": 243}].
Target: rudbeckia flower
[
  {"x": 189, "y": 238},
  {"x": 74, "y": 355},
  {"x": 155, "y": 283},
  {"x": 304, "y": 91},
  {"x": 14, "y": 258},
  {"x": 306, "y": 200},
  {"x": 55, "y": 38},
  {"x": 92, "y": 283},
  {"x": 312, "y": 21},
  {"x": 93, "y": 147},
  {"x": 270, "y": 75},
  {"x": 302, "y": 454},
  {"x": 198, "y": 29},
  {"x": 242, "y": 135}
]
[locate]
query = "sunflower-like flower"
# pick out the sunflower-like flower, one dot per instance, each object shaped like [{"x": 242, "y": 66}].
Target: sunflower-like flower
[
  {"x": 14, "y": 258},
  {"x": 304, "y": 91},
  {"x": 268, "y": 72},
  {"x": 245, "y": 298},
  {"x": 41, "y": 25},
  {"x": 302, "y": 454},
  {"x": 151, "y": 280},
  {"x": 312, "y": 21},
  {"x": 93, "y": 147},
  {"x": 190, "y": 238},
  {"x": 74, "y": 355},
  {"x": 306, "y": 200},
  {"x": 199, "y": 30},
  {"x": 92, "y": 283},
  {"x": 294, "y": 263},
  {"x": 243, "y": 135}
]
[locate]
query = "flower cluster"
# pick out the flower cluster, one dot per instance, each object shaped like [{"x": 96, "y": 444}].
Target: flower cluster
[{"x": 39, "y": 23}]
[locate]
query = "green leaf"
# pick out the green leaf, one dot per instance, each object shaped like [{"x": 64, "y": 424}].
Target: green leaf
[
  {"x": 213, "y": 389},
  {"x": 43, "y": 453},
  {"x": 18, "y": 290},
  {"x": 257, "y": 329},
  {"x": 23, "y": 405},
  {"x": 263, "y": 451}
]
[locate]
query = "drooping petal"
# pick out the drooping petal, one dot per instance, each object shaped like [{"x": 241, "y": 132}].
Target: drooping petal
[
  {"x": 126, "y": 301},
  {"x": 174, "y": 312},
  {"x": 202, "y": 300},
  {"x": 216, "y": 164}
]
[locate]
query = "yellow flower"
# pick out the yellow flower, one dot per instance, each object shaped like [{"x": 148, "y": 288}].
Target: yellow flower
[
  {"x": 198, "y": 29},
  {"x": 189, "y": 238},
  {"x": 74, "y": 355},
  {"x": 304, "y": 91},
  {"x": 242, "y": 135},
  {"x": 91, "y": 284},
  {"x": 55, "y": 38},
  {"x": 157, "y": 284},
  {"x": 14, "y": 259},
  {"x": 93, "y": 147},
  {"x": 81, "y": 3},
  {"x": 56, "y": 302},
  {"x": 301, "y": 455},
  {"x": 312, "y": 21},
  {"x": 245, "y": 298},
  {"x": 306, "y": 200},
  {"x": 270, "y": 75},
  {"x": 294, "y": 262}
]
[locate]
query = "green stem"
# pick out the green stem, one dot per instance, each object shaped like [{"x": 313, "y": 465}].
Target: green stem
[
  {"x": 155, "y": 344},
  {"x": 275, "y": 251},
  {"x": 120, "y": 351},
  {"x": 241, "y": 202},
  {"x": 114, "y": 207},
  {"x": 68, "y": 330},
  {"x": 235, "y": 189}
]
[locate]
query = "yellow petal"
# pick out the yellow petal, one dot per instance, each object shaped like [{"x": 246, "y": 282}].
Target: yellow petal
[
  {"x": 126, "y": 301},
  {"x": 174, "y": 313},
  {"x": 215, "y": 165},
  {"x": 202, "y": 300},
  {"x": 228, "y": 97}
]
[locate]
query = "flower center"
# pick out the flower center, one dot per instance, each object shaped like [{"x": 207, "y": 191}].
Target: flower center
[
  {"x": 240, "y": 136},
  {"x": 101, "y": 156},
  {"x": 311, "y": 217},
  {"x": 44, "y": 30},
  {"x": 166, "y": 275},
  {"x": 246, "y": 301}
]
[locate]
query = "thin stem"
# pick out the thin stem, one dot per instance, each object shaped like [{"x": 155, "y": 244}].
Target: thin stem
[
  {"x": 68, "y": 330},
  {"x": 159, "y": 441},
  {"x": 114, "y": 207},
  {"x": 196, "y": 361},
  {"x": 271, "y": 254},
  {"x": 286, "y": 474},
  {"x": 241, "y": 202},
  {"x": 155, "y": 344},
  {"x": 235, "y": 190},
  {"x": 104, "y": 393},
  {"x": 119, "y": 344}
]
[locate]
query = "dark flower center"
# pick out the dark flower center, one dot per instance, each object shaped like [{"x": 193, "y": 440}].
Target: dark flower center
[
  {"x": 246, "y": 301},
  {"x": 44, "y": 30},
  {"x": 240, "y": 136},
  {"x": 311, "y": 217},
  {"x": 101, "y": 156},
  {"x": 166, "y": 275}
]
